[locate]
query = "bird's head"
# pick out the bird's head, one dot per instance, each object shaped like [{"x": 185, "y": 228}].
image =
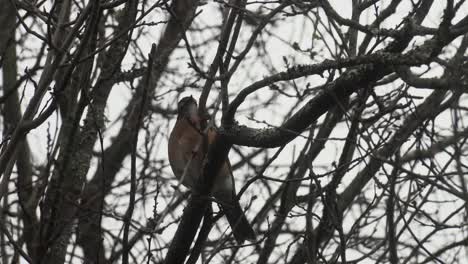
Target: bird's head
[{"x": 187, "y": 107}]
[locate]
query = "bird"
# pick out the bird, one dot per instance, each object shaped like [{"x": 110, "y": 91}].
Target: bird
[{"x": 187, "y": 149}]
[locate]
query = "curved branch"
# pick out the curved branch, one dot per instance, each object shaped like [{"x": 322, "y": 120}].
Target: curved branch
[{"x": 372, "y": 68}]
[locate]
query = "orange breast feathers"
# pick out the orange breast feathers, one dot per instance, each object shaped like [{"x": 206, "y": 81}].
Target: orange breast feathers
[{"x": 186, "y": 154}]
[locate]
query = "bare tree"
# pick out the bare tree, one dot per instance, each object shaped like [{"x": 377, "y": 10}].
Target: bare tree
[{"x": 345, "y": 123}]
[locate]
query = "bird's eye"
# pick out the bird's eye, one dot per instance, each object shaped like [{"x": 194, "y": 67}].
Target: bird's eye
[{"x": 183, "y": 103}]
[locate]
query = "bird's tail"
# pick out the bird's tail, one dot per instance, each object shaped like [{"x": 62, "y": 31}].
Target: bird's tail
[{"x": 241, "y": 227}]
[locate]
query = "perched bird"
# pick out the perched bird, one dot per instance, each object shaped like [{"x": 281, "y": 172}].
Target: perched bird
[{"x": 186, "y": 154}]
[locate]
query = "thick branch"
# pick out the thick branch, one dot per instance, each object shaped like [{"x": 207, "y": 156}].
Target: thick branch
[{"x": 375, "y": 67}]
